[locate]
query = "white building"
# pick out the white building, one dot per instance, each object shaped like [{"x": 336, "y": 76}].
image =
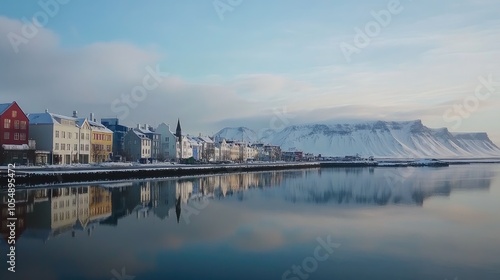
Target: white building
[
  {"x": 62, "y": 136},
  {"x": 168, "y": 142},
  {"x": 187, "y": 150}
]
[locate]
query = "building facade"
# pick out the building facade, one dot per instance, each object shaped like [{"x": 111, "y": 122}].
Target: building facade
[
  {"x": 155, "y": 141},
  {"x": 137, "y": 146},
  {"x": 101, "y": 142},
  {"x": 119, "y": 132},
  {"x": 168, "y": 148},
  {"x": 58, "y": 134},
  {"x": 14, "y": 135}
]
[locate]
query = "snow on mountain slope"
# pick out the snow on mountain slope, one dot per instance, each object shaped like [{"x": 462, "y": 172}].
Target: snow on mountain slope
[
  {"x": 409, "y": 139},
  {"x": 237, "y": 134},
  {"x": 383, "y": 139}
]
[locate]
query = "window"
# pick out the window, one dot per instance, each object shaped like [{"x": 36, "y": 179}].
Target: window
[
  {"x": 64, "y": 134},
  {"x": 86, "y": 147},
  {"x": 16, "y": 136},
  {"x": 57, "y": 133},
  {"x": 23, "y": 124},
  {"x": 76, "y": 147},
  {"x": 82, "y": 147},
  {"x": 16, "y": 124},
  {"x": 6, "y": 123},
  {"x": 68, "y": 147},
  {"x": 76, "y": 135},
  {"x": 55, "y": 217},
  {"x": 23, "y": 136},
  {"x": 6, "y": 135},
  {"x": 82, "y": 135},
  {"x": 87, "y": 136},
  {"x": 14, "y": 113},
  {"x": 166, "y": 139},
  {"x": 63, "y": 147},
  {"x": 108, "y": 148},
  {"x": 69, "y": 135},
  {"x": 57, "y": 146}
]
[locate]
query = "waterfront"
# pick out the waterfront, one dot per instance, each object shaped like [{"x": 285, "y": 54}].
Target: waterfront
[{"x": 382, "y": 223}]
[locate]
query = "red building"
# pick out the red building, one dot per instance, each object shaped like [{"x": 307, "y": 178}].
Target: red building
[{"x": 14, "y": 133}]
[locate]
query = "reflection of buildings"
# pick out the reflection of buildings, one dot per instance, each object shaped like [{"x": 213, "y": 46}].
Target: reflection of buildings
[
  {"x": 53, "y": 212},
  {"x": 21, "y": 208},
  {"x": 45, "y": 213}
]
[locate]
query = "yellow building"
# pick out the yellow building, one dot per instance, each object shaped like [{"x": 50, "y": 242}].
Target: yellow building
[
  {"x": 101, "y": 142},
  {"x": 99, "y": 203}
]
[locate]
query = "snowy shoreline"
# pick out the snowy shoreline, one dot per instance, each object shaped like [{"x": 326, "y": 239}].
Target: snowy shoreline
[{"x": 112, "y": 172}]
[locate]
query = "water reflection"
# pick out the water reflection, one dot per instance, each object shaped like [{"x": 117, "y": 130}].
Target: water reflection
[{"x": 47, "y": 213}]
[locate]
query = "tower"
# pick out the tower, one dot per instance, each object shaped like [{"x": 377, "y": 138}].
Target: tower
[
  {"x": 178, "y": 130},
  {"x": 178, "y": 134}
]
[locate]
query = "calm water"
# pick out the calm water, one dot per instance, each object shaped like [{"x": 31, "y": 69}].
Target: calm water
[{"x": 344, "y": 223}]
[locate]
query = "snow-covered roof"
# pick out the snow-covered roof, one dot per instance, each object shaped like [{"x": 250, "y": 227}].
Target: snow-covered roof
[
  {"x": 99, "y": 126},
  {"x": 139, "y": 134},
  {"x": 41, "y": 118},
  {"x": 206, "y": 139},
  {"x": 49, "y": 118},
  {"x": 145, "y": 131},
  {"x": 4, "y": 107}
]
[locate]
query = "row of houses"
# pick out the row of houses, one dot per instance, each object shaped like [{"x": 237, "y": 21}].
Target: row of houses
[{"x": 51, "y": 138}]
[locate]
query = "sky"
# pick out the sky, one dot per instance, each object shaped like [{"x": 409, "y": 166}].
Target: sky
[{"x": 255, "y": 63}]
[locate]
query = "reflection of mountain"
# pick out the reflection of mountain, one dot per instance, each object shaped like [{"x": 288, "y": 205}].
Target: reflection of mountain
[
  {"x": 376, "y": 186},
  {"x": 46, "y": 213}
]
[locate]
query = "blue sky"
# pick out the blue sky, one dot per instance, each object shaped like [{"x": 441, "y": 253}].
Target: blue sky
[{"x": 240, "y": 66}]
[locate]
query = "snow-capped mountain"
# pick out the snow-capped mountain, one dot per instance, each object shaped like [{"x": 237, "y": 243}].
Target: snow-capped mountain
[
  {"x": 410, "y": 139},
  {"x": 237, "y": 134}
]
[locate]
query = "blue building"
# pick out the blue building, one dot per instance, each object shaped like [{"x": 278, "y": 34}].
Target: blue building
[{"x": 119, "y": 132}]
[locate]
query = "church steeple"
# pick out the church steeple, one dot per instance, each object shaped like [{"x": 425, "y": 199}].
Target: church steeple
[{"x": 178, "y": 130}]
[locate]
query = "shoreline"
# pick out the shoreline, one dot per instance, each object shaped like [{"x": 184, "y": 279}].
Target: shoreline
[{"x": 47, "y": 176}]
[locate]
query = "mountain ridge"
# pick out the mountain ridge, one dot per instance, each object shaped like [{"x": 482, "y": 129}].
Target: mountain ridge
[{"x": 399, "y": 139}]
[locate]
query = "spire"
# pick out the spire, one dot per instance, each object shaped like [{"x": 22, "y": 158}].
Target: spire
[{"x": 178, "y": 130}]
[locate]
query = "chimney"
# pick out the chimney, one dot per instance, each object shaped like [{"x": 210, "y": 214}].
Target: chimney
[
  {"x": 91, "y": 116},
  {"x": 46, "y": 110},
  {"x": 138, "y": 126},
  {"x": 75, "y": 114}
]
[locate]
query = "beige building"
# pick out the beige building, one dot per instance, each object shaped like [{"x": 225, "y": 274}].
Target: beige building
[{"x": 65, "y": 137}]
